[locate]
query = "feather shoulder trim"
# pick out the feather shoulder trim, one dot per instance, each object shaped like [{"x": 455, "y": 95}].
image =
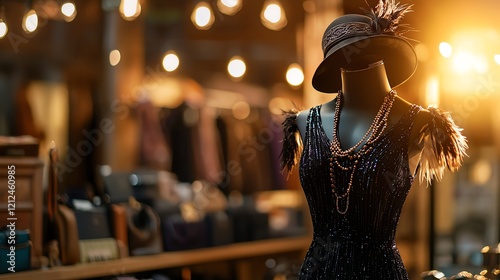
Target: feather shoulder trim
[
  {"x": 444, "y": 146},
  {"x": 291, "y": 141}
]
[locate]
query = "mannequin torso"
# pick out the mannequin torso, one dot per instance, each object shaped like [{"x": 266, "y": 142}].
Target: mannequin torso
[{"x": 364, "y": 91}]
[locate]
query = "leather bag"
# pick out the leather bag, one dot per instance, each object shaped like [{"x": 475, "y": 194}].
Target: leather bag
[{"x": 62, "y": 220}]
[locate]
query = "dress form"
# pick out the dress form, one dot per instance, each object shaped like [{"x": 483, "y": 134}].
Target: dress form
[{"x": 364, "y": 88}]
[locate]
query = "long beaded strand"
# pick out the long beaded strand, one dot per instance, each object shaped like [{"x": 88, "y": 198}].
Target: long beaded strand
[{"x": 374, "y": 132}]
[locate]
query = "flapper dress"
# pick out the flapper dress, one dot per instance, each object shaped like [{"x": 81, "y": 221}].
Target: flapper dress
[{"x": 360, "y": 244}]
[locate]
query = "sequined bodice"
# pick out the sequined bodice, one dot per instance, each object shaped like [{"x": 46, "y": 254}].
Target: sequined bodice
[{"x": 360, "y": 243}]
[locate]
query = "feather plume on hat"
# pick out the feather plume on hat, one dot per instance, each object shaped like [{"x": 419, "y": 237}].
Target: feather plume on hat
[{"x": 387, "y": 15}]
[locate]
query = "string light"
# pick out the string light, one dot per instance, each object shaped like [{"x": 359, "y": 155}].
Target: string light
[
  {"x": 295, "y": 75},
  {"x": 229, "y": 7},
  {"x": 236, "y": 67},
  {"x": 496, "y": 57},
  {"x": 114, "y": 57},
  {"x": 273, "y": 16},
  {"x": 130, "y": 9},
  {"x": 170, "y": 61},
  {"x": 202, "y": 16},
  {"x": 445, "y": 49},
  {"x": 30, "y": 21},
  {"x": 4, "y": 29},
  {"x": 68, "y": 9}
]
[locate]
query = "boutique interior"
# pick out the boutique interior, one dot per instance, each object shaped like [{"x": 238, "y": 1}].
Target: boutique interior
[{"x": 156, "y": 126}]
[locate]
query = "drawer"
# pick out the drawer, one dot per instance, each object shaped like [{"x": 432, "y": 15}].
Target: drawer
[
  {"x": 23, "y": 190},
  {"x": 23, "y": 219}
]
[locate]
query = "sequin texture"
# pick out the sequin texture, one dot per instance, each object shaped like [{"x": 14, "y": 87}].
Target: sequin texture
[{"x": 361, "y": 243}]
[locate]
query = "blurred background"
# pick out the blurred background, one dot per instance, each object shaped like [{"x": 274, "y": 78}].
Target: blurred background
[{"x": 196, "y": 88}]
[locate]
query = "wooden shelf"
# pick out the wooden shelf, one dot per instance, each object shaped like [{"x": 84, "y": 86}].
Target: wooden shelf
[{"x": 235, "y": 251}]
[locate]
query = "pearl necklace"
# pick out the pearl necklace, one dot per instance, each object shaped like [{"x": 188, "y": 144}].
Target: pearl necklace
[{"x": 374, "y": 132}]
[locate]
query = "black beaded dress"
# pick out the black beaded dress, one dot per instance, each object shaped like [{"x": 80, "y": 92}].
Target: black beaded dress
[{"x": 360, "y": 244}]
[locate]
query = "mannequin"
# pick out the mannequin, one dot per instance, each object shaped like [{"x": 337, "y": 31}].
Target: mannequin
[
  {"x": 359, "y": 154},
  {"x": 362, "y": 100}
]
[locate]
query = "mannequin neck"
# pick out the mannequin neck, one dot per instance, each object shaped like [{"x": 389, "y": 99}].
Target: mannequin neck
[{"x": 365, "y": 87}]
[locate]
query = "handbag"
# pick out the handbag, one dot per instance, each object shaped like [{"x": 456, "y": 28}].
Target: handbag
[
  {"x": 144, "y": 233},
  {"x": 62, "y": 220},
  {"x": 179, "y": 234}
]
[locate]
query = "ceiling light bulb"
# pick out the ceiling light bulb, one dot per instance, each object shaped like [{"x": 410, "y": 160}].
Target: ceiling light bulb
[
  {"x": 496, "y": 57},
  {"x": 130, "y": 9},
  {"x": 3, "y": 28},
  {"x": 445, "y": 49},
  {"x": 114, "y": 57},
  {"x": 295, "y": 75},
  {"x": 273, "y": 16},
  {"x": 229, "y": 7},
  {"x": 68, "y": 9},
  {"x": 30, "y": 21},
  {"x": 170, "y": 61},
  {"x": 236, "y": 67},
  {"x": 202, "y": 16}
]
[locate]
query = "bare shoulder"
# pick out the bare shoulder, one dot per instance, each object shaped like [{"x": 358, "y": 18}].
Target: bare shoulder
[{"x": 302, "y": 121}]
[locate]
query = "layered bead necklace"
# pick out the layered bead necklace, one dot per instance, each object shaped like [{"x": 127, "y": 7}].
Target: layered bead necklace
[{"x": 374, "y": 132}]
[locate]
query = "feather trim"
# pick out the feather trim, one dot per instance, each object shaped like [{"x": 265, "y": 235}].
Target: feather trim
[
  {"x": 387, "y": 15},
  {"x": 291, "y": 141},
  {"x": 444, "y": 146}
]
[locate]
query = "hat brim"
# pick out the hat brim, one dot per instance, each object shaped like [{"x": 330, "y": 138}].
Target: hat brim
[{"x": 398, "y": 55}]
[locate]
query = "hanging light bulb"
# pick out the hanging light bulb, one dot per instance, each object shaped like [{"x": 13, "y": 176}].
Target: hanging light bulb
[
  {"x": 273, "y": 16},
  {"x": 170, "y": 61},
  {"x": 3, "y": 28},
  {"x": 229, "y": 7},
  {"x": 236, "y": 67},
  {"x": 130, "y": 9},
  {"x": 295, "y": 75},
  {"x": 3, "y": 25},
  {"x": 30, "y": 21},
  {"x": 114, "y": 57},
  {"x": 202, "y": 16},
  {"x": 68, "y": 9}
]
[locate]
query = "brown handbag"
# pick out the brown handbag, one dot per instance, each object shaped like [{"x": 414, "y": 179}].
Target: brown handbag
[{"x": 61, "y": 218}]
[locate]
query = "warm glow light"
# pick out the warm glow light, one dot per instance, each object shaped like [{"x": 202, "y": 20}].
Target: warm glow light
[
  {"x": 295, "y": 75},
  {"x": 202, "y": 16},
  {"x": 445, "y": 49},
  {"x": 30, "y": 21},
  {"x": 273, "y": 15},
  {"x": 68, "y": 9},
  {"x": 236, "y": 67},
  {"x": 464, "y": 62},
  {"x": 170, "y": 61},
  {"x": 481, "y": 172},
  {"x": 114, "y": 57},
  {"x": 3, "y": 29},
  {"x": 241, "y": 110},
  {"x": 432, "y": 91},
  {"x": 130, "y": 9},
  {"x": 229, "y": 7},
  {"x": 480, "y": 64},
  {"x": 496, "y": 57}
]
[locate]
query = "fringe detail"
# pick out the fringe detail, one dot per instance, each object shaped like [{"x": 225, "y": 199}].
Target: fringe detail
[
  {"x": 290, "y": 153},
  {"x": 444, "y": 146}
]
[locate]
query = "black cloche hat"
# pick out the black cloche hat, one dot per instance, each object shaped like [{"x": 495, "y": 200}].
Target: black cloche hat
[{"x": 375, "y": 35}]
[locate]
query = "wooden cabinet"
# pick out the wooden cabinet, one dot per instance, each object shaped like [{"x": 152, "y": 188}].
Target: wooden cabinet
[{"x": 24, "y": 203}]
